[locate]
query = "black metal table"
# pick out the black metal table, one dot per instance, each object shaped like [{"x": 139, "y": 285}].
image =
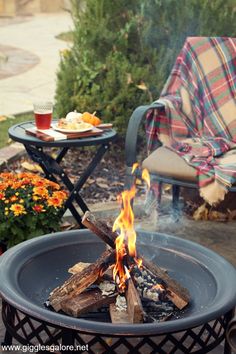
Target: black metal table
[{"x": 51, "y": 166}]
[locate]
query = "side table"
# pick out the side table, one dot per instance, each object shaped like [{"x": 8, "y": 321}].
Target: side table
[{"x": 51, "y": 166}]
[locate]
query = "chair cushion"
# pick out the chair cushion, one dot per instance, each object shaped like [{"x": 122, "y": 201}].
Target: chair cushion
[{"x": 166, "y": 162}]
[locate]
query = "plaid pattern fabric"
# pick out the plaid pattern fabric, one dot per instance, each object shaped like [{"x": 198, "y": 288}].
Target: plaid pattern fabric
[{"x": 200, "y": 112}]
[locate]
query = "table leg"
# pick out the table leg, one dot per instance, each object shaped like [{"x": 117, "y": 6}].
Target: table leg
[
  {"x": 86, "y": 174},
  {"x": 61, "y": 154},
  {"x": 51, "y": 167}
]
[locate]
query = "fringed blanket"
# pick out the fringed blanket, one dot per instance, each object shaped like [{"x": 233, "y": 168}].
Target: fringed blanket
[{"x": 200, "y": 113}]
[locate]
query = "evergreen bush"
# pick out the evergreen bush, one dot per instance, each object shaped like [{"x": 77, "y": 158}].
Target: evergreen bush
[{"x": 123, "y": 51}]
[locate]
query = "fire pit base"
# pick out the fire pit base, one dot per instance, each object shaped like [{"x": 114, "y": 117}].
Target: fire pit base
[
  {"x": 29, "y": 330},
  {"x": 29, "y": 271}
]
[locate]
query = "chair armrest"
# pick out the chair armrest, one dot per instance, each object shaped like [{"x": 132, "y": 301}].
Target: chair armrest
[{"x": 132, "y": 135}]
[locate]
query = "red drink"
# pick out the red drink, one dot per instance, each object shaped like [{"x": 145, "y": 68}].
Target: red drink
[
  {"x": 43, "y": 114},
  {"x": 43, "y": 120}
]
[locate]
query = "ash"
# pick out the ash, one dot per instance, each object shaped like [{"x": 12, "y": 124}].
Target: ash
[
  {"x": 107, "y": 288},
  {"x": 121, "y": 303},
  {"x": 157, "y": 307}
]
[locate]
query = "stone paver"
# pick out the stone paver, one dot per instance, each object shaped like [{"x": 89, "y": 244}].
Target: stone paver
[
  {"x": 10, "y": 153},
  {"x": 35, "y": 35}
]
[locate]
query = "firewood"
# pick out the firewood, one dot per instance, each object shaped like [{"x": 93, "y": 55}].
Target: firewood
[
  {"x": 134, "y": 305},
  {"x": 78, "y": 267},
  {"x": 118, "y": 316},
  {"x": 99, "y": 228},
  {"x": 87, "y": 301},
  {"x": 78, "y": 282},
  {"x": 177, "y": 293}
]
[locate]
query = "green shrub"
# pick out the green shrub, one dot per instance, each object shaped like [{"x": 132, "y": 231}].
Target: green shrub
[{"x": 123, "y": 51}]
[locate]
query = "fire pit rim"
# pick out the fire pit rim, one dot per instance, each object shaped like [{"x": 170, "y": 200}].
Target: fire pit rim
[{"x": 17, "y": 298}]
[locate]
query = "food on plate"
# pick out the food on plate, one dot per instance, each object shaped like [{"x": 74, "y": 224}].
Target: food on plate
[
  {"x": 91, "y": 118},
  {"x": 67, "y": 125},
  {"x": 74, "y": 116},
  {"x": 78, "y": 121}
]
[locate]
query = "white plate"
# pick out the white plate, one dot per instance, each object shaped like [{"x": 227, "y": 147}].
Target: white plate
[{"x": 55, "y": 127}]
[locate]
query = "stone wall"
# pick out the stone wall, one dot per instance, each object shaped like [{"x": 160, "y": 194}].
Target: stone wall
[{"x": 30, "y": 7}]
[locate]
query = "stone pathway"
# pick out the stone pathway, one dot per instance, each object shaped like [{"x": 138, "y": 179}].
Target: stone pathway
[
  {"x": 14, "y": 61},
  {"x": 33, "y": 40}
]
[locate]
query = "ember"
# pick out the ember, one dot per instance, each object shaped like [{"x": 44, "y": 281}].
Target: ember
[{"x": 136, "y": 291}]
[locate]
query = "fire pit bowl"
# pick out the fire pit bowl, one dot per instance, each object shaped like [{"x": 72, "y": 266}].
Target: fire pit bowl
[{"x": 32, "y": 269}]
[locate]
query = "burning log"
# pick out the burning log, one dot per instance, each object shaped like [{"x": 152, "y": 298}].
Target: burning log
[
  {"x": 78, "y": 267},
  {"x": 128, "y": 308},
  {"x": 78, "y": 282},
  {"x": 134, "y": 305},
  {"x": 99, "y": 228},
  {"x": 176, "y": 293}
]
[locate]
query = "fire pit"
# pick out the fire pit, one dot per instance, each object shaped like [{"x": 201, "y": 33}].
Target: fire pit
[{"x": 31, "y": 270}]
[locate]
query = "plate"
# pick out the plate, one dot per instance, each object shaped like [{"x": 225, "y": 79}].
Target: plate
[{"x": 87, "y": 128}]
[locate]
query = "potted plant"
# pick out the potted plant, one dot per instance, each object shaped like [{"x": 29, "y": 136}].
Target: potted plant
[{"x": 30, "y": 206}]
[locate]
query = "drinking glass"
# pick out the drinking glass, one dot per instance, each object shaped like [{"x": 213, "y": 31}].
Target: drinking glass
[{"x": 43, "y": 114}]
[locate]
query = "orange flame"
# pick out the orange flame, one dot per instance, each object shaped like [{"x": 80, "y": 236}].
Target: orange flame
[
  {"x": 146, "y": 177},
  {"x": 134, "y": 167},
  {"x": 158, "y": 287},
  {"x": 126, "y": 241}
]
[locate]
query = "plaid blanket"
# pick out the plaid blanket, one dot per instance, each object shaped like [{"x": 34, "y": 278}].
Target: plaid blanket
[{"x": 200, "y": 113}]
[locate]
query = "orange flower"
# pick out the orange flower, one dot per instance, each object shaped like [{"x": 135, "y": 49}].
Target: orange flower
[
  {"x": 38, "y": 208},
  {"x": 39, "y": 183},
  {"x": 40, "y": 191},
  {"x": 35, "y": 197},
  {"x": 53, "y": 185},
  {"x": 26, "y": 181},
  {"x": 60, "y": 194},
  {"x": 54, "y": 201},
  {"x": 13, "y": 198},
  {"x": 18, "y": 209}
]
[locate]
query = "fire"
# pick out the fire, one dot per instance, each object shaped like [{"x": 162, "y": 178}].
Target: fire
[
  {"x": 158, "y": 287},
  {"x": 146, "y": 177},
  {"x": 126, "y": 241}
]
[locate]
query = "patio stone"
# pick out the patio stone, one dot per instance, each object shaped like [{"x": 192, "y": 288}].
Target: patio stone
[{"x": 11, "y": 153}]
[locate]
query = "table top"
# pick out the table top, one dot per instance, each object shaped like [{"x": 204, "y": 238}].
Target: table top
[{"x": 17, "y": 133}]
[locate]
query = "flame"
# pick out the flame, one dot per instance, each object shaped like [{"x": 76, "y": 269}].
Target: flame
[
  {"x": 126, "y": 241},
  {"x": 158, "y": 287},
  {"x": 146, "y": 177},
  {"x": 124, "y": 223},
  {"x": 134, "y": 167}
]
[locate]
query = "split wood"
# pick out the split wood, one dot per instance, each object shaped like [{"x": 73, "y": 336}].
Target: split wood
[
  {"x": 79, "y": 282},
  {"x": 175, "y": 292}
]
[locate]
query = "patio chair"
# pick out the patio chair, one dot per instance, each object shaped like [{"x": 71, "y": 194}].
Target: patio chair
[{"x": 191, "y": 129}]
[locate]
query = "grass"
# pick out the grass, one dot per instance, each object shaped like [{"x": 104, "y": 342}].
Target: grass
[{"x": 6, "y": 124}]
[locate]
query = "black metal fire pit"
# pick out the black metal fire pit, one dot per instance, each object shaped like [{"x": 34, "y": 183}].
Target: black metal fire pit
[{"x": 31, "y": 270}]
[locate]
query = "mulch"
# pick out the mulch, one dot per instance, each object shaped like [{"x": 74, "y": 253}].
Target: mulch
[{"x": 106, "y": 181}]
